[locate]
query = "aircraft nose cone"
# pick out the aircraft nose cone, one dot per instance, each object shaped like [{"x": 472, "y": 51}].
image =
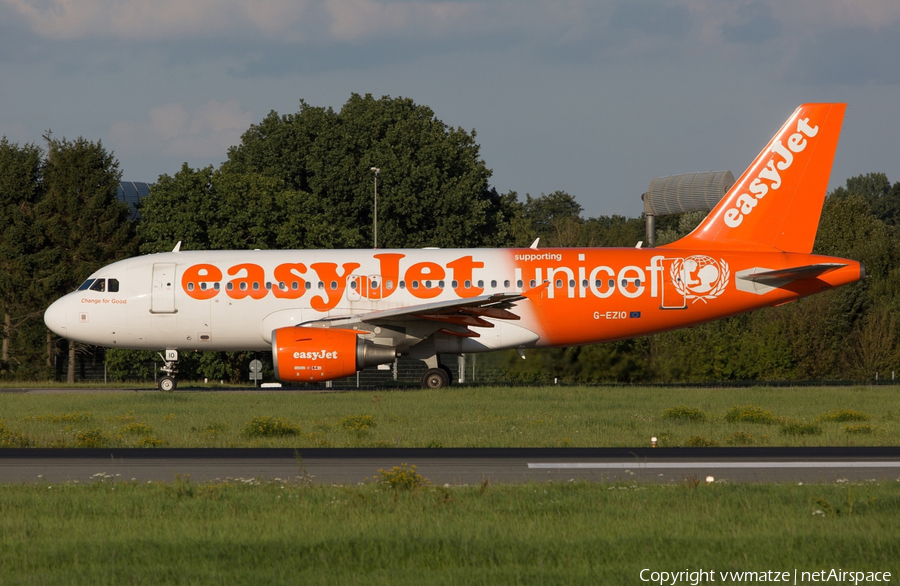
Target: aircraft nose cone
[{"x": 55, "y": 318}]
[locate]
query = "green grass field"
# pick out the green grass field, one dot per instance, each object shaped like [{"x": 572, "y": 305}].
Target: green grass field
[
  {"x": 579, "y": 533},
  {"x": 459, "y": 417},
  {"x": 384, "y": 532}
]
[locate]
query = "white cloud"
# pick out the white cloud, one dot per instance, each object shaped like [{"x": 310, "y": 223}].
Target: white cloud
[
  {"x": 65, "y": 20},
  {"x": 173, "y": 130},
  {"x": 293, "y": 20},
  {"x": 357, "y": 19},
  {"x": 874, "y": 14}
]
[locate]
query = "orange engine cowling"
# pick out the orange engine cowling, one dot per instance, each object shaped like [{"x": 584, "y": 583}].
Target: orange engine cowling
[{"x": 307, "y": 354}]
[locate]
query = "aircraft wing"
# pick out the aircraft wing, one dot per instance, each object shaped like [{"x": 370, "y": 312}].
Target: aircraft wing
[
  {"x": 475, "y": 305},
  {"x": 452, "y": 317}
]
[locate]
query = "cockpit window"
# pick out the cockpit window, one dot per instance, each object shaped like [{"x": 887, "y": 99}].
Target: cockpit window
[{"x": 100, "y": 285}]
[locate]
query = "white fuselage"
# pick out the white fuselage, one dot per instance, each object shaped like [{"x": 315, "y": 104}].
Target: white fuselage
[{"x": 164, "y": 301}]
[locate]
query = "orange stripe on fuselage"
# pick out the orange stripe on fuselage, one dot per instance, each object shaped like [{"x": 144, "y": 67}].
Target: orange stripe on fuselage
[{"x": 598, "y": 295}]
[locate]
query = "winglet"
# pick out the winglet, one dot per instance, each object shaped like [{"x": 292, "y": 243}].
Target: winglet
[
  {"x": 535, "y": 292},
  {"x": 776, "y": 203}
]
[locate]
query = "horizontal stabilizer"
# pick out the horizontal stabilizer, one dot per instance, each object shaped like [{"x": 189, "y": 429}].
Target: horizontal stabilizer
[
  {"x": 761, "y": 280},
  {"x": 781, "y": 276}
]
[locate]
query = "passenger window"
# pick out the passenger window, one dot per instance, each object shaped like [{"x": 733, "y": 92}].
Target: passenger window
[
  {"x": 481, "y": 284},
  {"x": 533, "y": 283},
  {"x": 454, "y": 284},
  {"x": 468, "y": 284},
  {"x": 415, "y": 284},
  {"x": 637, "y": 282},
  {"x": 440, "y": 284},
  {"x": 519, "y": 283},
  {"x": 112, "y": 285},
  {"x": 216, "y": 286},
  {"x": 403, "y": 284},
  {"x": 333, "y": 285},
  {"x": 191, "y": 286},
  {"x": 558, "y": 283},
  {"x": 572, "y": 283},
  {"x": 493, "y": 284},
  {"x": 506, "y": 284},
  {"x": 389, "y": 284}
]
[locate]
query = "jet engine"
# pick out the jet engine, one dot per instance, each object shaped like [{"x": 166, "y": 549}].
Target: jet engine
[{"x": 307, "y": 354}]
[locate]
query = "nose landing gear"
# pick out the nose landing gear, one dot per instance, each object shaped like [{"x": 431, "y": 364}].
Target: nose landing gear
[{"x": 168, "y": 384}]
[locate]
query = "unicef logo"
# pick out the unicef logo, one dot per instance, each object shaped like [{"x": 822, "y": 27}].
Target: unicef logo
[{"x": 700, "y": 277}]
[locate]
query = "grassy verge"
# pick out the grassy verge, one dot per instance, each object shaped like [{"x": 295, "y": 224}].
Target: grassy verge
[
  {"x": 458, "y": 417},
  {"x": 580, "y": 533}
]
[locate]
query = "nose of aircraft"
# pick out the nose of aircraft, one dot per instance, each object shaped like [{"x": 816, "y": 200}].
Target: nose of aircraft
[{"x": 55, "y": 317}]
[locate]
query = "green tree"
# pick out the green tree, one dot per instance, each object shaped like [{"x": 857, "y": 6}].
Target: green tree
[
  {"x": 20, "y": 187},
  {"x": 213, "y": 209},
  {"x": 556, "y": 219},
  {"x": 432, "y": 186},
  {"x": 882, "y": 197},
  {"x": 84, "y": 225},
  {"x": 179, "y": 208}
]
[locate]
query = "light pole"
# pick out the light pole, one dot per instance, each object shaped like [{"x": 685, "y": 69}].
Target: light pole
[{"x": 376, "y": 170}]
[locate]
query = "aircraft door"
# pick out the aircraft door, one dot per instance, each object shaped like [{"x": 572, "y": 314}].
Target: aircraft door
[
  {"x": 162, "y": 298},
  {"x": 673, "y": 289},
  {"x": 374, "y": 286},
  {"x": 360, "y": 287},
  {"x": 354, "y": 283}
]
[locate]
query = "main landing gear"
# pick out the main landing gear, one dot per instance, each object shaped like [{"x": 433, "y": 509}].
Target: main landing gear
[
  {"x": 437, "y": 378},
  {"x": 168, "y": 384}
]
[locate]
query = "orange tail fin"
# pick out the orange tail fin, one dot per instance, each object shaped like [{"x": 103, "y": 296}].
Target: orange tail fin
[{"x": 777, "y": 202}]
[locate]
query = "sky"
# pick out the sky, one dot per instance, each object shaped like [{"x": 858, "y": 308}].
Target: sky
[{"x": 590, "y": 97}]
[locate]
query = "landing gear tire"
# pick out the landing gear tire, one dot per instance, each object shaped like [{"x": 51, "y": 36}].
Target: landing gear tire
[
  {"x": 435, "y": 378},
  {"x": 167, "y": 384},
  {"x": 449, "y": 374}
]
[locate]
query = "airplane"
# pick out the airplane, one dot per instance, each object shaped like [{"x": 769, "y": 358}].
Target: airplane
[{"x": 326, "y": 314}]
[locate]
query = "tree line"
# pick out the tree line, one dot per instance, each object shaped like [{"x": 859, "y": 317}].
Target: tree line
[
  {"x": 60, "y": 221},
  {"x": 305, "y": 180}
]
